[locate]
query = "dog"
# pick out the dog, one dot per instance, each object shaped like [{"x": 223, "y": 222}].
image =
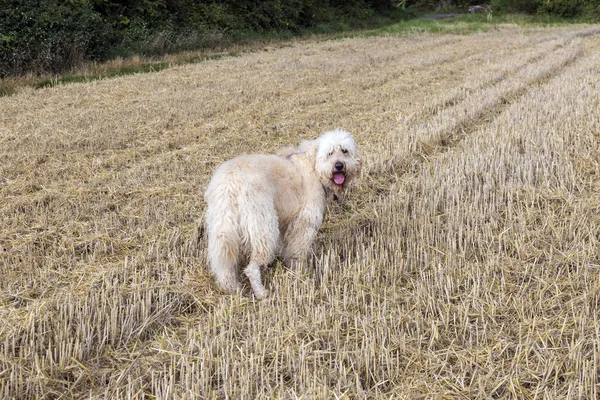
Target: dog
[{"x": 263, "y": 206}]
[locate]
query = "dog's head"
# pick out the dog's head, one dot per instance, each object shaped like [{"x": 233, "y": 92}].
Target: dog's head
[{"x": 337, "y": 161}]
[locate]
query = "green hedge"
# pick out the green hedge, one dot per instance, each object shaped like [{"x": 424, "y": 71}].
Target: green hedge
[
  {"x": 54, "y": 35},
  {"x": 50, "y": 35}
]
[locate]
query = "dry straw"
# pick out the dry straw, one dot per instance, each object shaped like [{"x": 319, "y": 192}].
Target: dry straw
[{"x": 465, "y": 263}]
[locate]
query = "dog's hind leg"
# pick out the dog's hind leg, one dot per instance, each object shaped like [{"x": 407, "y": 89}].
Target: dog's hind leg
[
  {"x": 254, "y": 275},
  {"x": 223, "y": 250},
  {"x": 263, "y": 230},
  {"x": 262, "y": 254},
  {"x": 224, "y": 241}
]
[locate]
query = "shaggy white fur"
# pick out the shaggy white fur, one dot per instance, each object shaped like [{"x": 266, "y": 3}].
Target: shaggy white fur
[{"x": 260, "y": 206}]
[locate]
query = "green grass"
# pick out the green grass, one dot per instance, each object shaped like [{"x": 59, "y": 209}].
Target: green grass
[
  {"x": 10, "y": 86},
  {"x": 466, "y": 24},
  {"x": 125, "y": 70}
]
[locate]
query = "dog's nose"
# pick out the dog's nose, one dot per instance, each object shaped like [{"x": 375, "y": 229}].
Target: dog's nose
[{"x": 339, "y": 166}]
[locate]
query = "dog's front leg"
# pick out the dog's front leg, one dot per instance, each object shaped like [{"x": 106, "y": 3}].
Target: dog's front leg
[{"x": 297, "y": 241}]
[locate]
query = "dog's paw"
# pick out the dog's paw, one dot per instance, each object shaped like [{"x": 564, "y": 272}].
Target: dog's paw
[{"x": 261, "y": 294}]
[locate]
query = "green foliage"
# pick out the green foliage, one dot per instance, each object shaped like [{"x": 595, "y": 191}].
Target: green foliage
[
  {"x": 50, "y": 35},
  {"x": 561, "y": 8},
  {"x": 467, "y": 3},
  {"x": 54, "y": 35},
  {"x": 592, "y": 10},
  {"x": 514, "y": 6}
]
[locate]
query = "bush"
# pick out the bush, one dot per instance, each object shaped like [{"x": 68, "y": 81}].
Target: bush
[
  {"x": 514, "y": 6},
  {"x": 55, "y": 35},
  {"x": 561, "y": 8},
  {"x": 592, "y": 10},
  {"x": 49, "y": 36}
]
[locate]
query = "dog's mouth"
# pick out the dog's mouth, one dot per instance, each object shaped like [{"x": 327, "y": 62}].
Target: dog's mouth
[{"x": 339, "y": 178}]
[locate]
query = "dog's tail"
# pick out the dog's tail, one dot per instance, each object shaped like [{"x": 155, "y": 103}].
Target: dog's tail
[{"x": 223, "y": 240}]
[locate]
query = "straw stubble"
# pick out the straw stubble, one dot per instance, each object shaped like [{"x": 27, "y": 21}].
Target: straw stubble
[{"x": 464, "y": 263}]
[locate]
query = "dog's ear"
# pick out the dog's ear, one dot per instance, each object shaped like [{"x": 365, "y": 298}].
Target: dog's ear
[
  {"x": 358, "y": 160},
  {"x": 309, "y": 147},
  {"x": 285, "y": 151}
]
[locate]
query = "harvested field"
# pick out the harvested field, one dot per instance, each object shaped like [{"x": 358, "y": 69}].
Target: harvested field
[{"x": 465, "y": 263}]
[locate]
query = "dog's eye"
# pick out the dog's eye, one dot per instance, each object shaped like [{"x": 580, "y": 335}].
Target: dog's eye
[
  {"x": 344, "y": 151},
  {"x": 330, "y": 153}
]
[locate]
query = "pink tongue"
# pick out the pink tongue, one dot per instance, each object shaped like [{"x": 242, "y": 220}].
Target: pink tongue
[{"x": 339, "y": 178}]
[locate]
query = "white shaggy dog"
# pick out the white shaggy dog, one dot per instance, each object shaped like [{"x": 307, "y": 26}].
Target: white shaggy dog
[{"x": 260, "y": 206}]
